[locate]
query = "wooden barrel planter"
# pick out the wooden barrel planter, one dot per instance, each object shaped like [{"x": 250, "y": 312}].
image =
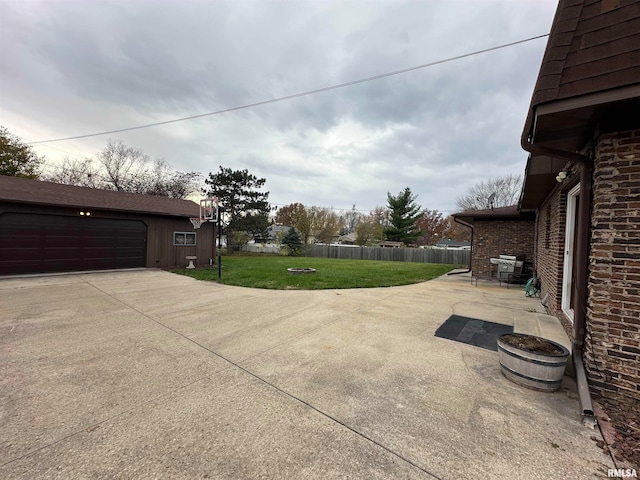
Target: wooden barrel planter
[{"x": 531, "y": 361}]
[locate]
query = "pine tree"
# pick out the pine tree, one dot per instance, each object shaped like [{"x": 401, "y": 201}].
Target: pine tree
[
  {"x": 246, "y": 207},
  {"x": 293, "y": 241},
  {"x": 404, "y": 216},
  {"x": 17, "y": 159}
]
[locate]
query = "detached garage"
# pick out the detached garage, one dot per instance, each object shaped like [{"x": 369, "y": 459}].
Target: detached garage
[{"x": 48, "y": 227}]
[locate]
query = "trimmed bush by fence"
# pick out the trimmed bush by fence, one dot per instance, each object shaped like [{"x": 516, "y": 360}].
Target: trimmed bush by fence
[{"x": 424, "y": 255}]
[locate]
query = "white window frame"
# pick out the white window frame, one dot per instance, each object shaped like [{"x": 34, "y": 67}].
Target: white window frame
[
  {"x": 569, "y": 237},
  {"x": 186, "y": 235}
]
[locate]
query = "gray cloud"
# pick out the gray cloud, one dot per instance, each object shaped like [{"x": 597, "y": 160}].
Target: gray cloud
[{"x": 78, "y": 67}]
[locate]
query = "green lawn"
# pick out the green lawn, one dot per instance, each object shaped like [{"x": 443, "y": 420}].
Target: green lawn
[{"x": 271, "y": 272}]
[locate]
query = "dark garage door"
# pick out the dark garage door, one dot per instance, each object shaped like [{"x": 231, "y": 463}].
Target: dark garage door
[{"x": 34, "y": 243}]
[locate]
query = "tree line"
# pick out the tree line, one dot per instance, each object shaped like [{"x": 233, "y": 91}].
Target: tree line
[
  {"x": 400, "y": 220},
  {"x": 116, "y": 167}
]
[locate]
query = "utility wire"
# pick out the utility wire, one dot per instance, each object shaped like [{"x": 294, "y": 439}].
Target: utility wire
[
  {"x": 295, "y": 95},
  {"x": 29, "y": 142}
]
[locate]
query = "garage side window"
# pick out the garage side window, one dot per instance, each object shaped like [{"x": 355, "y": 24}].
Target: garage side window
[{"x": 184, "y": 238}]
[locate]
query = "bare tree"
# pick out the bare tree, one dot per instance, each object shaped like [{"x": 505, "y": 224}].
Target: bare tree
[
  {"x": 125, "y": 168},
  {"x": 493, "y": 193},
  {"x": 370, "y": 229},
  {"x": 81, "y": 173},
  {"x": 350, "y": 220},
  {"x": 165, "y": 182}
]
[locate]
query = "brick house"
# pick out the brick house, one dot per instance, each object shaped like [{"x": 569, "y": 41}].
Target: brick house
[
  {"x": 582, "y": 181},
  {"x": 495, "y": 232},
  {"x": 49, "y": 227}
]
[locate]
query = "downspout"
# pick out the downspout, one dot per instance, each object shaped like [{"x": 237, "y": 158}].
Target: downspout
[
  {"x": 470, "y": 250},
  {"x": 582, "y": 260}
]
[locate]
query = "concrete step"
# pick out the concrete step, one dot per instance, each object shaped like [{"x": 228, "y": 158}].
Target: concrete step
[{"x": 541, "y": 325}]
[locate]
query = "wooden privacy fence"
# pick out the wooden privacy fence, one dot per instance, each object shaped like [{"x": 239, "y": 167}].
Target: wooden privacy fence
[{"x": 425, "y": 255}]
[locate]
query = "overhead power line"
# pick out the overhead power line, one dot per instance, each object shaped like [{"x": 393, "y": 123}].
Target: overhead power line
[{"x": 295, "y": 95}]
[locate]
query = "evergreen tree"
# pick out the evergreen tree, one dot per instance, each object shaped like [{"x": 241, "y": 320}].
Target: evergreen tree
[
  {"x": 404, "y": 216},
  {"x": 293, "y": 241},
  {"x": 16, "y": 158},
  {"x": 245, "y": 205}
]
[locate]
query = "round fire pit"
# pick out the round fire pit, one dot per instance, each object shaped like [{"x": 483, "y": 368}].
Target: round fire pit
[{"x": 300, "y": 271}]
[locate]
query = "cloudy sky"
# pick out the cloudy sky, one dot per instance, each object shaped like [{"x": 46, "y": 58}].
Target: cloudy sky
[{"x": 76, "y": 67}]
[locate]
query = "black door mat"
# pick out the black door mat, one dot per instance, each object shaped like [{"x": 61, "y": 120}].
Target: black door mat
[{"x": 472, "y": 331}]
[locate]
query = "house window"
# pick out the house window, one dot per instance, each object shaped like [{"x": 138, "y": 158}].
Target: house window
[{"x": 184, "y": 238}]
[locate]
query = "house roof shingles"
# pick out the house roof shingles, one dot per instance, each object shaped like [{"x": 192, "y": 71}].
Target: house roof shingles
[
  {"x": 593, "y": 46},
  {"x": 22, "y": 190},
  {"x": 590, "y": 49},
  {"x": 589, "y": 78}
]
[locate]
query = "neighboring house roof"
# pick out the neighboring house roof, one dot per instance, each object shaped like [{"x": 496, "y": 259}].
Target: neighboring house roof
[
  {"x": 275, "y": 230},
  {"x": 22, "y": 190},
  {"x": 590, "y": 76},
  {"x": 500, "y": 213},
  {"x": 349, "y": 238},
  {"x": 391, "y": 244}
]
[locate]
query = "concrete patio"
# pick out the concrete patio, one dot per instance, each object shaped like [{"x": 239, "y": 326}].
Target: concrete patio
[{"x": 146, "y": 374}]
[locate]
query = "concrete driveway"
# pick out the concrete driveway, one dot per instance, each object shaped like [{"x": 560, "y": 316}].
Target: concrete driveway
[{"x": 146, "y": 374}]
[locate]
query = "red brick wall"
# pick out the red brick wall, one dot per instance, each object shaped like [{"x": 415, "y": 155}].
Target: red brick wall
[
  {"x": 550, "y": 238},
  {"x": 500, "y": 237},
  {"x": 612, "y": 352}
]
